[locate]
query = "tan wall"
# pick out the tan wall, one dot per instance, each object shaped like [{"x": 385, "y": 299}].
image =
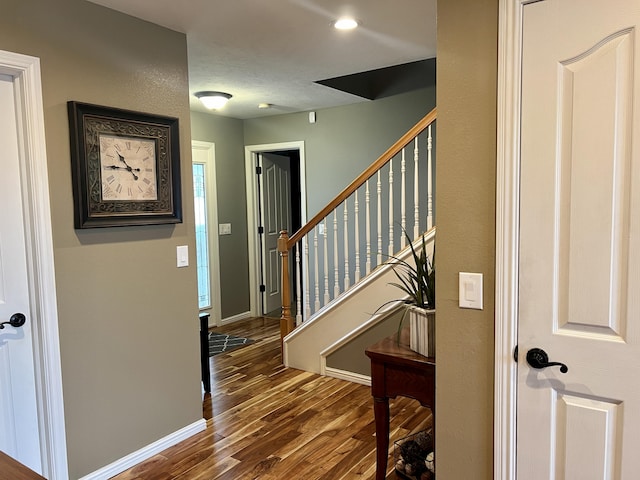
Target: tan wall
[
  {"x": 128, "y": 316},
  {"x": 465, "y": 185}
]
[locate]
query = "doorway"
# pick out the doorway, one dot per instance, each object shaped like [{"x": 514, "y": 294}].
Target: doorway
[{"x": 276, "y": 161}]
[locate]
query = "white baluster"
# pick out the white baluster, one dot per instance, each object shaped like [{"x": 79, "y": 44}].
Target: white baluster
[
  {"x": 368, "y": 228},
  {"x": 429, "y": 180},
  {"x": 391, "y": 250},
  {"x": 327, "y": 299},
  {"x": 336, "y": 281},
  {"x": 356, "y": 209},
  {"x": 379, "y": 185},
  {"x": 416, "y": 193},
  {"x": 307, "y": 300},
  {"x": 298, "y": 286},
  {"x": 316, "y": 305},
  {"x": 347, "y": 281},
  {"x": 403, "y": 200}
]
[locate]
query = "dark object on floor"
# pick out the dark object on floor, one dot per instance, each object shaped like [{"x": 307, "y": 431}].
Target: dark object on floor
[
  {"x": 414, "y": 458},
  {"x": 220, "y": 343}
]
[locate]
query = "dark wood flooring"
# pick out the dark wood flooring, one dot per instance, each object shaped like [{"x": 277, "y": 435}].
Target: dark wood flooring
[{"x": 268, "y": 422}]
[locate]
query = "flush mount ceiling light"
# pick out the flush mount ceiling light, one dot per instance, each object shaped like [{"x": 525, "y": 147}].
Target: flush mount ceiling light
[
  {"x": 346, "y": 23},
  {"x": 213, "y": 100}
]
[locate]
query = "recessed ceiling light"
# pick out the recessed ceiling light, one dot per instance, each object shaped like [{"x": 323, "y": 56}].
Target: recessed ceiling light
[{"x": 345, "y": 23}]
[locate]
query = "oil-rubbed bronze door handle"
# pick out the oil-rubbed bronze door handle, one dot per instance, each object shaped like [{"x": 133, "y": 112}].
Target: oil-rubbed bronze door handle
[
  {"x": 16, "y": 320},
  {"x": 538, "y": 358}
]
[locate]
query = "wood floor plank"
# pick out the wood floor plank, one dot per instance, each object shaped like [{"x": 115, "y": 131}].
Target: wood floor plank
[{"x": 269, "y": 422}]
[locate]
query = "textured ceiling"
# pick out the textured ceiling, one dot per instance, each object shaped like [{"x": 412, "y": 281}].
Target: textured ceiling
[{"x": 275, "y": 51}]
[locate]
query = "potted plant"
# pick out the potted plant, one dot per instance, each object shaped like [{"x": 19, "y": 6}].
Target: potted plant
[{"x": 418, "y": 280}]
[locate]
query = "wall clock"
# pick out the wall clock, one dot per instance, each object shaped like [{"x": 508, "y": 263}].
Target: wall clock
[{"x": 125, "y": 167}]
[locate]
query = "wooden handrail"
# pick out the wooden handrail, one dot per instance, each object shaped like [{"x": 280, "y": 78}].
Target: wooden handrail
[
  {"x": 286, "y": 243},
  {"x": 428, "y": 119}
]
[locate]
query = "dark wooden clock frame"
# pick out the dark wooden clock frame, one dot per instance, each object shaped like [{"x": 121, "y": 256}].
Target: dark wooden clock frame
[{"x": 86, "y": 123}]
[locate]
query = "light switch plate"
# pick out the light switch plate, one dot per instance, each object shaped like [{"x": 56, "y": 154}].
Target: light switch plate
[
  {"x": 470, "y": 290},
  {"x": 182, "y": 254},
  {"x": 224, "y": 229}
]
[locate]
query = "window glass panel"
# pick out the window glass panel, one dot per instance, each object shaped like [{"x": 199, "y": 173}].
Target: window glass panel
[{"x": 202, "y": 236}]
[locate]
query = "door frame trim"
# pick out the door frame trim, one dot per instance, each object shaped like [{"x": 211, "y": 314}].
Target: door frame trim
[
  {"x": 507, "y": 236},
  {"x": 250, "y": 154},
  {"x": 212, "y": 214},
  {"x": 25, "y": 71}
]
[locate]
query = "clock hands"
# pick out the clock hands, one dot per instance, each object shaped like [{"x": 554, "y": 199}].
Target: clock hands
[{"x": 127, "y": 167}]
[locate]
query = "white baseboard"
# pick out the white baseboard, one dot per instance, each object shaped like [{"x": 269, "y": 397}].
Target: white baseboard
[
  {"x": 147, "y": 452},
  {"x": 235, "y": 318},
  {"x": 348, "y": 376}
]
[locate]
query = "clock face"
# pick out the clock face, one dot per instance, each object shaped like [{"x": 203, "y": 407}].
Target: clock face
[{"x": 128, "y": 168}]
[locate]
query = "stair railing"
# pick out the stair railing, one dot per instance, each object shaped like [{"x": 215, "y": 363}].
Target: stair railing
[{"x": 328, "y": 234}]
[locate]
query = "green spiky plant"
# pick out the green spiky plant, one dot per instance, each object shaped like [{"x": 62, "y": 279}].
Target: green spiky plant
[{"x": 419, "y": 281}]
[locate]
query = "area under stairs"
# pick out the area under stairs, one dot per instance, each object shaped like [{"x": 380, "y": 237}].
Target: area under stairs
[{"x": 348, "y": 316}]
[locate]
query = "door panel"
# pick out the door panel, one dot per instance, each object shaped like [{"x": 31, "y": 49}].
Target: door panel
[
  {"x": 276, "y": 210},
  {"x": 579, "y": 247},
  {"x": 19, "y": 430}
]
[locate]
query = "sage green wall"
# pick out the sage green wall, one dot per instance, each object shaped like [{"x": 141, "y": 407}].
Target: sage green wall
[
  {"x": 351, "y": 357},
  {"x": 228, "y": 136},
  {"x": 344, "y": 140},
  {"x": 467, "y": 84},
  {"x": 128, "y": 317}
]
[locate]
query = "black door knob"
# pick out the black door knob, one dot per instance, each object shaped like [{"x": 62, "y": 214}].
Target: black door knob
[
  {"x": 16, "y": 320},
  {"x": 538, "y": 358}
]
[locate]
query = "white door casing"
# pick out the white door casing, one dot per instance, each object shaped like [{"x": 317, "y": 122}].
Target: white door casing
[
  {"x": 24, "y": 79},
  {"x": 276, "y": 216}
]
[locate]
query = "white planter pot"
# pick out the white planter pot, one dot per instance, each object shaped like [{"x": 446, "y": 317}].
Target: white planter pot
[{"x": 422, "y": 326}]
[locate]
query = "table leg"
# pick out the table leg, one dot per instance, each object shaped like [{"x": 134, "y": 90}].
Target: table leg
[
  {"x": 204, "y": 352},
  {"x": 381, "y": 414}
]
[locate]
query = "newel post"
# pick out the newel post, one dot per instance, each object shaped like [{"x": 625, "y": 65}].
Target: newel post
[{"x": 286, "y": 320}]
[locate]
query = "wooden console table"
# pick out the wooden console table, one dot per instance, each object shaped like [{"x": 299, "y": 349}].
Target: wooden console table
[{"x": 398, "y": 370}]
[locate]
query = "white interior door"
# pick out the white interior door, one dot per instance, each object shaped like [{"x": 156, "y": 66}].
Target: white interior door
[
  {"x": 579, "y": 275},
  {"x": 276, "y": 216},
  {"x": 19, "y": 430}
]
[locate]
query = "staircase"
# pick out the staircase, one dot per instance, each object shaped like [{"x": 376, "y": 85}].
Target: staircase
[{"x": 339, "y": 258}]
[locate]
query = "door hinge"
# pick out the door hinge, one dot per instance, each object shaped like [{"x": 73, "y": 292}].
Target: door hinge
[
  {"x": 258, "y": 170},
  {"x": 515, "y": 354},
  {"x": 263, "y": 288},
  {"x": 260, "y": 230}
]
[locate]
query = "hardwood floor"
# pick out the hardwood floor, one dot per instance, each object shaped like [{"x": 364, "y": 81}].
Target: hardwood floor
[{"x": 268, "y": 422}]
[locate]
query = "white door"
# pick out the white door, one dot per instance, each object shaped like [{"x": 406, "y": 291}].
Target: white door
[
  {"x": 276, "y": 216},
  {"x": 579, "y": 275},
  {"x": 19, "y": 434}
]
